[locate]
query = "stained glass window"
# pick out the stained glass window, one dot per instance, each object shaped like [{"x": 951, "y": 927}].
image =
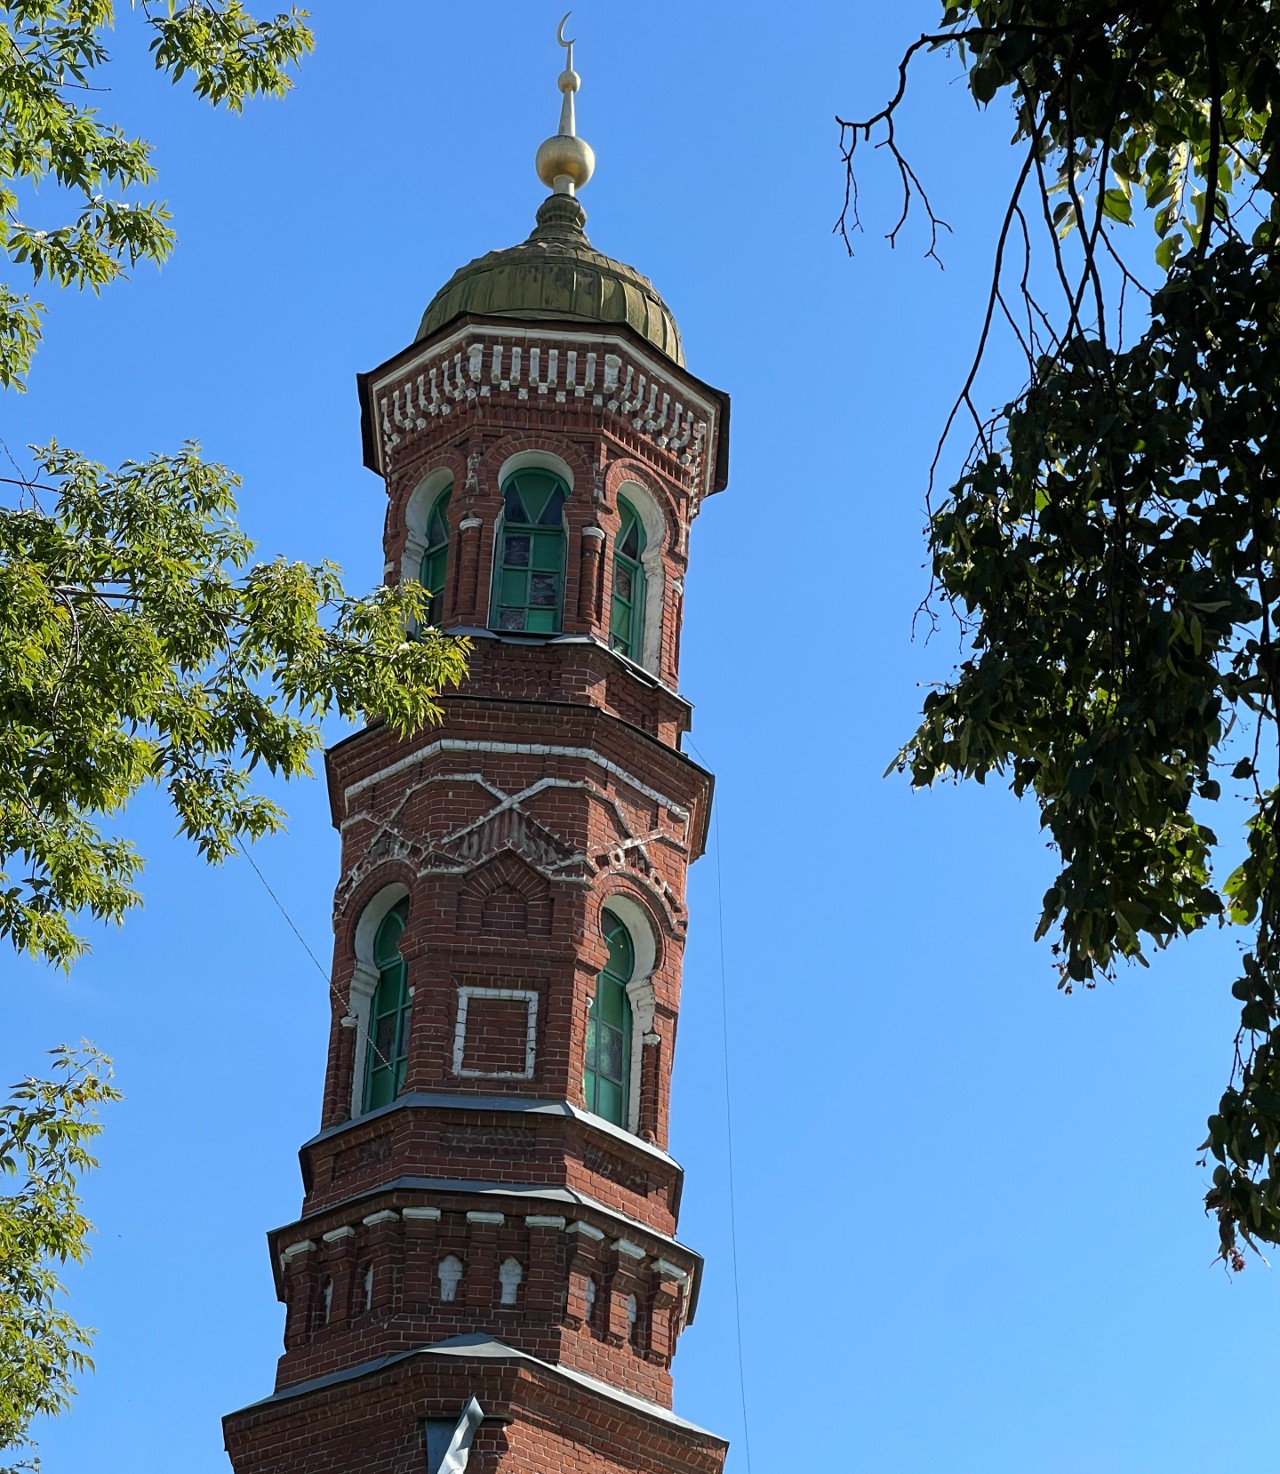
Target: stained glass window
[
  {"x": 608, "y": 1073},
  {"x": 387, "y": 1051},
  {"x": 529, "y": 576},
  {"x": 626, "y": 620}
]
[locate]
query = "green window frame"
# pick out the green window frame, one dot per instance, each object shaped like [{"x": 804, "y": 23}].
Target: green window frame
[
  {"x": 386, "y": 1055},
  {"x": 435, "y": 561},
  {"x": 626, "y": 615},
  {"x": 528, "y": 583},
  {"x": 607, "y": 1080}
]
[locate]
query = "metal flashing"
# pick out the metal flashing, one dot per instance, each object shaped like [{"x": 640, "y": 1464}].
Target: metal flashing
[{"x": 484, "y": 1348}]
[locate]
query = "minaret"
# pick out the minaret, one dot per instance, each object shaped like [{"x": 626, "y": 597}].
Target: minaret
[{"x": 486, "y": 1266}]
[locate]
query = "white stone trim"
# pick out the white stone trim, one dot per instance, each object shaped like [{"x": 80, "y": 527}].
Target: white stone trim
[
  {"x": 496, "y": 1219},
  {"x": 666, "y": 1270},
  {"x": 388, "y": 1215},
  {"x": 593, "y": 532},
  {"x": 302, "y": 1246},
  {"x": 628, "y": 1250},
  {"x": 364, "y": 980},
  {"x": 533, "y": 749},
  {"x": 656, "y": 537},
  {"x": 507, "y": 802},
  {"x": 659, "y": 891},
  {"x": 543, "y": 1220},
  {"x": 363, "y": 985},
  {"x": 658, "y": 400},
  {"x": 640, "y": 990},
  {"x": 416, "y": 514},
  {"x": 510, "y": 1276},
  {"x": 597, "y": 334},
  {"x": 587, "y": 1230},
  {"x": 335, "y": 1235},
  {"x": 421, "y": 1215},
  {"x": 530, "y": 1000},
  {"x": 450, "y": 1272},
  {"x": 536, "y": 460}
]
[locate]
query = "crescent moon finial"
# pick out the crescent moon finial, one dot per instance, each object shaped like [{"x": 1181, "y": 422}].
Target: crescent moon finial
[
  {"x": 566, "y": 161},
  {"x": 566, "y": 43}
]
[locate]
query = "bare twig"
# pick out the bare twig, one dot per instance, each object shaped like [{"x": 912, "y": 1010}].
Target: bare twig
[{"x": 964, "y": 398}]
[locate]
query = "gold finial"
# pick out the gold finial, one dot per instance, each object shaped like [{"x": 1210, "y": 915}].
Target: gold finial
[{"x": 566, "y": 162}]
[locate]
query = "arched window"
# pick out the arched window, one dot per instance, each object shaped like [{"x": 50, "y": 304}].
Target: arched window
[
  {"x": 528, "y": 585},
  {"x": 435, "y": 561},
  {"x": 608, "y": 1074},
  {"x": 387, "y": 1052},
  {"x": 626, "y": 619}
]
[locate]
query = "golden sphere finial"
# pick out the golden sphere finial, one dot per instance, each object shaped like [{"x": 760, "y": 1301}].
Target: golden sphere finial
[{"x": 565, "y": 162}]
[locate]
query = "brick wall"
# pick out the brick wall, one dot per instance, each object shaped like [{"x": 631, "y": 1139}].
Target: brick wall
[
  {"x": 536, "y": 1421},
  {"x": 486, "y": 1201}
]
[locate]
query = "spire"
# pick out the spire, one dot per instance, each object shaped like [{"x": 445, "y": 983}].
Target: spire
[{"x": 565, "y": 162}]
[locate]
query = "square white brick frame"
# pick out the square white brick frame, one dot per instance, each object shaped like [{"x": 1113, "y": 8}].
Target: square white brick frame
[{"x": 530, "y": 1001}]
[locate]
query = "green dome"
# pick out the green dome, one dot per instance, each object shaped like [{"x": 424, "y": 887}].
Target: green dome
[{"x": 556, "y": 275}]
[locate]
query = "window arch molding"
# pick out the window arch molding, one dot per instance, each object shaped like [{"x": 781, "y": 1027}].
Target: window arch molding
[
  {"x": 365, "y": 976},
  {"x": 540, "y": 460},
  {"x": 643, "y": 933},
  {"x": 656, "y": 537},
  {"x": 635, "y": 916},
  {"x": 417, "y": 515}
]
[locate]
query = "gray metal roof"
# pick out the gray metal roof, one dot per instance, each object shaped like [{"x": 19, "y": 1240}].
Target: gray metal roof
[{"x": 484, "y": 1348}]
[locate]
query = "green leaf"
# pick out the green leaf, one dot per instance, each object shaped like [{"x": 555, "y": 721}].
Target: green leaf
[
  {"x": 1167, "y": 252},
  {"x": 1116, "y": 205},
  {"x": 984, "y": 82}
]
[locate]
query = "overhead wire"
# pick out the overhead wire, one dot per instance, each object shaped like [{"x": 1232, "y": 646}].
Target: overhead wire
[
  {"x": 281, "y": 908},
  {"x": 342, "y": 1002},
  {"x": 728, "y": 1123}
]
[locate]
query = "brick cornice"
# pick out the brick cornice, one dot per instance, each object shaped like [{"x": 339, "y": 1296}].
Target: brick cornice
[
  {"x": 641, "y": 397},
  {"x": 693, "y": 785}
]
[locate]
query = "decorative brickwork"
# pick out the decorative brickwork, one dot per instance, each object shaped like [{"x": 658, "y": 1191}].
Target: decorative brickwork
[{"x": 484, "y": 1234}]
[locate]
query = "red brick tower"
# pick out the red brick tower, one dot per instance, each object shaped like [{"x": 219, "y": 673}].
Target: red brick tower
[{"x": 490, "y": 1210}]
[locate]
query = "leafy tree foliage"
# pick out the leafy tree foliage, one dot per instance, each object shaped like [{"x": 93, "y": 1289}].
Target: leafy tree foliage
[
  {"x": 45, "y": 1133},
  {"x": 139, "y": 643},
  {"x": 51, "y": 55},
  {"x": 137, "y": 646},
  {"x": 1111, "y": 545}
]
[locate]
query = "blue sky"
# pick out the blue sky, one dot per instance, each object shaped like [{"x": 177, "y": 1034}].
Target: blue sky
[{"x": 968, "y": 1207}]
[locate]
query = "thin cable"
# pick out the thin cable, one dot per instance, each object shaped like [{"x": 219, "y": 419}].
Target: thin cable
[
  {"x": 728, "y": 1122},
  {"x": 287, "y": 917},
  {"x": 342, "y": 1003}
]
